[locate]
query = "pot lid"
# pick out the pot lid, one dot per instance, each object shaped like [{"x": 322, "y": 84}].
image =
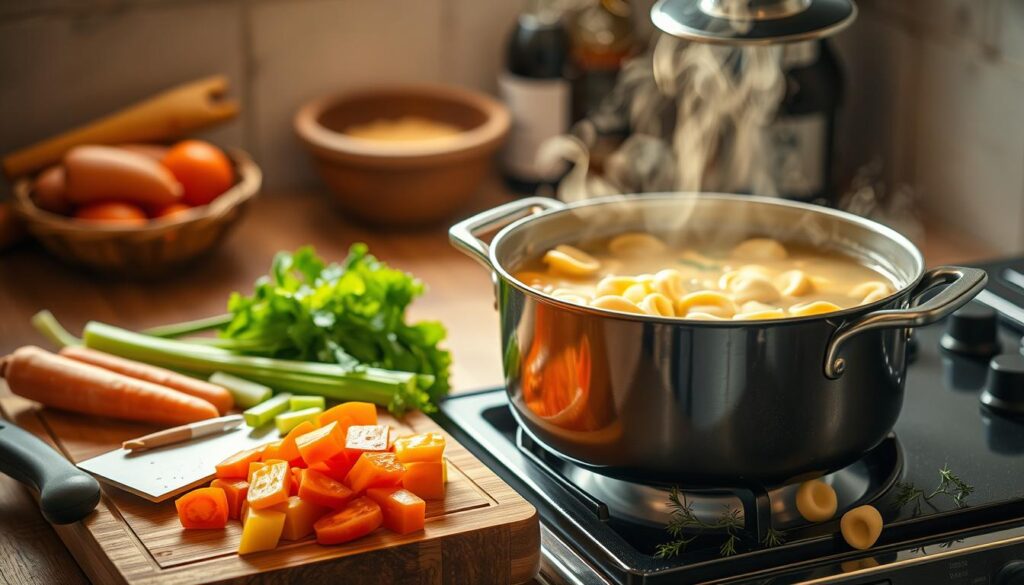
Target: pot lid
[{"x": 750, "y": 22}]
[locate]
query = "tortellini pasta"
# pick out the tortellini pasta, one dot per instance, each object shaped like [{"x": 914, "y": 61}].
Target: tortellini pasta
[{"x": 756, "y": 279}]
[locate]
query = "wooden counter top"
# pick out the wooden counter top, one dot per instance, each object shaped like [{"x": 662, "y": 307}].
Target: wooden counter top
[{"x": 460, "y": 295}]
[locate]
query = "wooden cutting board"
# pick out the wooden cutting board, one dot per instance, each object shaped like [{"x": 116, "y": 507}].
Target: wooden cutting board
[{"x": 483, "y": 531}]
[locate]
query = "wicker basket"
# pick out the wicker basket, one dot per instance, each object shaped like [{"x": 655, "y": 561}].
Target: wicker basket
[{"x": 147, "y": 251}]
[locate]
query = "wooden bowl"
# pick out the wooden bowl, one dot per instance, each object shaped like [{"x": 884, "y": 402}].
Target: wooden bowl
[
  {"x": 407, "y": 183},
  {"x": 147, "y": 251}
]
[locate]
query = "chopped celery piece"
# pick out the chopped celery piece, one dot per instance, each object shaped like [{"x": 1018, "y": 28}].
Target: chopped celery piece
[
  {"x": 245, "y": 392},
  {"x": 304, "y": 402},
  {"x": 287, "y": 421},
  {"x": 264, "y": 412}
]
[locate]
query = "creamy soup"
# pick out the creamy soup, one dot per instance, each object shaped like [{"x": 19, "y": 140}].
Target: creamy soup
[{"x": 759, "y": 278}]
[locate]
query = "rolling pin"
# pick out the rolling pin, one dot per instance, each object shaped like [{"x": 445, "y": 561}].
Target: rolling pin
[
  {"x": 173, "y": 113},
  {"x": 66, "y": 493}
]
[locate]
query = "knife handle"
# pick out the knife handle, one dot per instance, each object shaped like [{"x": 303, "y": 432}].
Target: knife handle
[{"x": 66, "y": 493}]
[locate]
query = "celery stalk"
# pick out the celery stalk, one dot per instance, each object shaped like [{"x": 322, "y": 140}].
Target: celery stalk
[
  {"x": 304, "y": 402},
  {"x": 245, "y": 392},
  {"x": 286, "y": 421},
  {"x": 264, "y": 412}
]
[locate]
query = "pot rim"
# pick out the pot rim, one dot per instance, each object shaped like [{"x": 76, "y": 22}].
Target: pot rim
[{"x": 843, "y": 314}]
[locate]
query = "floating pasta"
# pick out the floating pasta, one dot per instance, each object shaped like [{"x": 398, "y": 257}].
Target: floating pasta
[
  {"x": 869, "y": 292},
  {"x": 670, "y": 283},
  {"x": 756, "y": 249},
  {"x": 636, "y": 292},
  {"x": 794, "y": 283},
  {"x": 813, "y": 308},
  {"x": 636, "y": 244},
  {"x": 702, "y": 316},
  {"x": 614, "y": 285},
  {"x": 616, "y": 303},
  {"x": 571, "y": 261},
  {"x": 657, "y": 304},
  {"x": 569, "y": 295},
  {"x": 760, "y": 315},
  {"x": 754, "y": 288},
  {"x": 711, "y": 298}
]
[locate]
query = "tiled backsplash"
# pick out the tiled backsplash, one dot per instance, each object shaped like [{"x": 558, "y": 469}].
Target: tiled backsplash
[{"x": 935, "y": 87}]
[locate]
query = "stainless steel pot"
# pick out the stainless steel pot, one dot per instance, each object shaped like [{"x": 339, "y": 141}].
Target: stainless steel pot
[{"x": 706, "y": 401}]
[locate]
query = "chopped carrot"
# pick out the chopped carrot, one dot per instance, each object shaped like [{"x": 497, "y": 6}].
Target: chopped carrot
[
  {"x": 297, "y": 476},
  {"x": 363, "y": 438},
  {"x": 64, "y": 383},
  {"x": 425, "y": 479},
  {"x": 404, "y": 511},
  {"x": 324, "y": 490},
  {"x": 358, "y": 518},
  {"x": 237, "y": 466},
  {"x": 235, "y": 491},
  {"x": 203, "y": 508},
  {"x": 339, "y": 465},
  {"x": 272, "y": 451},
  {"x": 212, "y": 393},
  {"x": 300, "y": 515},
  {"x": 357, "y": 413},
  {"x": 252, "y": 469},
  {"x": 422, "y": 447},
  {"x": 288, "y": 450},
  {"x": 261, "y": 529},
  {"x": 375, "y": 470},
  {"x": 320, "y": 444},
  {"x": 269, "y": 485}
]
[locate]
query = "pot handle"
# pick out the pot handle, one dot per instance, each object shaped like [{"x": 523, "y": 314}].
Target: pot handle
[
  {"x": 961, "y": 285},
  {"x": 463, "y": 235}
]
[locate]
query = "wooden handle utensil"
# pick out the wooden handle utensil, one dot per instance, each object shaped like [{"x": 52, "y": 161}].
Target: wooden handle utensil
[{"x": 170, "y": 114}]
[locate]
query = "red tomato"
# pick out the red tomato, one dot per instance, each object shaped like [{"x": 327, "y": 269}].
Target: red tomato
[
  {"x": 358, "y": 518},
  {"x": 171, "y": 210},
  {"x": 203, "y": 170},
  {"x": 112, "y": 212}
]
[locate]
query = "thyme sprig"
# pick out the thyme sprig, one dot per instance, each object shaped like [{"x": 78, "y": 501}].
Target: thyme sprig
[
  {"x": 684, "y": 527},
  {"x": 950, "y": 485}
]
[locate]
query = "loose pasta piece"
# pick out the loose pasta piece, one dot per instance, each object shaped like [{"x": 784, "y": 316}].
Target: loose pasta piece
[
  {"x": 715, "y": 311},
  {"x": 755, "y": 306},
  {"x": 532, "y": 279},
  {"x": 813, "y": 308},
  {"x": 754, "y": 288},
  {"x": 572, "y": 296},
  {"x": 614, "y": 285},
  {"x": 670, "y": 283},
  {"x": 759, "y": 249},
  {"x": 636, "y": 293},
  {"x": 657, "y": 304},
  {"x": 705, "y": 297},
  {"x": 794, "y": 283},
  {"x": 816, "y": 501},
  {"x": 635, "y": 244},
  {"x": 760, "y": 315},
  {"x": 571, "y": 261},
  {"x": 861, "y": 527},
  {"x": 730, "y": 277},
  {"x": 871, "y": 291},
  {"x": 700, "y": 316},
  {"x": 616, "y": 303}
]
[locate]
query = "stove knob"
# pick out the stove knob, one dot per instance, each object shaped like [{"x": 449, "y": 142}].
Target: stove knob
[
  {"x": 1012, "y": 573},
  {"x": 1004, "y": 387},
  {"x": 972, "y": 331}
]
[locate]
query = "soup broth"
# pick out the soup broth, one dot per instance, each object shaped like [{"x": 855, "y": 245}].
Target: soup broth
[{"x": 758, "y": 278}]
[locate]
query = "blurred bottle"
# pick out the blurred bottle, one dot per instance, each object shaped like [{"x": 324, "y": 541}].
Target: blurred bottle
[
  {"x": 537, "y": 91},
  {"x": 801, "y": 140},
  {"x": 602, "y": 39}
]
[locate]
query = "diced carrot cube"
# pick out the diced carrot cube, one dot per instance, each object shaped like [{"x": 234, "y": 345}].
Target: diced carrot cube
[
  {"x": 324, "y": 490},
  {"x": 272, "y": 451},
  {"x": 338, "y": 466},
  {"x": 203, "y": 508},
  {"x": 288, "y": 450},
  {"x": 300, "y": 515},
  {"x": 297, "y": 476},
  {"x": 235, "y": 490},
  {"x": 375, "y": 470},
  {"x": 252, "y": 469},
  {"x": 269, "y": 485},
  {"x": 422, "y": 447},
  {"x": 320, "y": 444},
  {"x": 356, "y": 413},
  {"x": 425, "y": 479},
  {"x": 404, "y": 511},
  {"x": 236, "y": 466},
  {"x": 363, "y": 438}
]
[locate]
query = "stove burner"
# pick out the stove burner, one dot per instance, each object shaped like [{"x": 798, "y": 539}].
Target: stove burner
[{"x": 862, "y": 482}]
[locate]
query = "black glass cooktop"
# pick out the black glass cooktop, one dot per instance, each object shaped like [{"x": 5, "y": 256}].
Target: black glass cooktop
[{"x": 942, "y": 426}]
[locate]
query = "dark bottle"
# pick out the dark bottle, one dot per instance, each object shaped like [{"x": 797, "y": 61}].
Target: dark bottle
[
  {"x": 602, "y": 38},
  {"x": 801, "y": 139},
  {"x": 538, "y": 94}
]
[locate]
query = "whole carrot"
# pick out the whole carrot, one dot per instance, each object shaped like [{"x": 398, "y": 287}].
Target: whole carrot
[
  {"x": 212, "y": 393},
  {"x": 64, "y": 383}
]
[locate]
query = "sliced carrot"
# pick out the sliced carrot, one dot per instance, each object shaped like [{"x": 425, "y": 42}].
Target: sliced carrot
[
  {"x": 269, "y": 485},
  {"x": 237, "y": 466},
  {"x": 203, "y": 508},
  {"x": 235, "y": 491},
  {"x": 272, "y": 451},
  {"x": 358, "y": 518},
  {"x": 212, "y": 393},
  {"x": 404, "y": 511},
  {"x": 375, "y": 470},
  {"x": 320, "y": 444},
  {"x": 425, "y": 479},
  {"x": 297, "y": 476},
  {"x": 357, "y": 413},
  {"x": 422, "y": 447},
  {"x": 64, "y": 383},
  {"x": 288, "y": 450},
  {"x": 339, "y": 465},
  {"x": 300, "y": 515},
  {"x": 324, "y": 490},
  {"x": 365, "y": 438}
]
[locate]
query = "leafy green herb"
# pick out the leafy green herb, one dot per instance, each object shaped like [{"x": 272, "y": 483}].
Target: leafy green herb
[
  {"x": 950, "y": 485},
  {"x": 682, "y": 520}
]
